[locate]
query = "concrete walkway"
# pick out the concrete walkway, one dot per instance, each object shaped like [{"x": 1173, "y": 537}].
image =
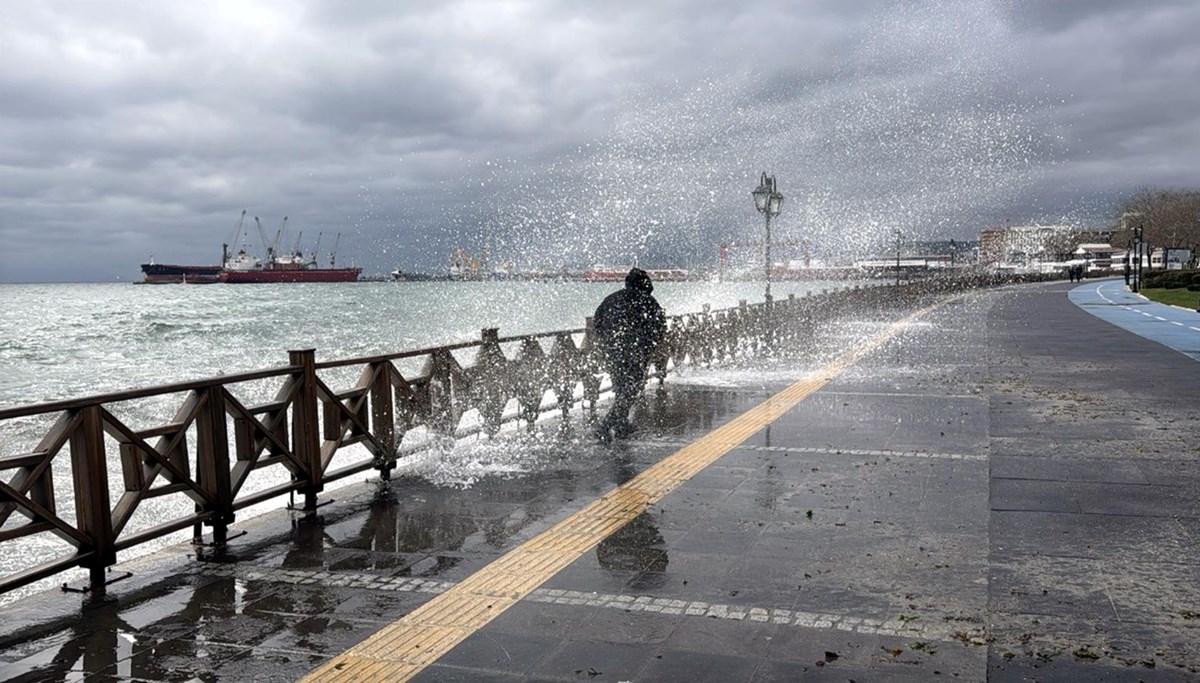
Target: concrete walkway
[{"x": 1008, "y": 490}]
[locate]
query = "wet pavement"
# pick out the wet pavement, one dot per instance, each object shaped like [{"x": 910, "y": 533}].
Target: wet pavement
[{"x": 1008, "y": 491}]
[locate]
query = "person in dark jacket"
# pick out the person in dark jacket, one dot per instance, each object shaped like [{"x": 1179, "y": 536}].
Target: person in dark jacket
[{"x": 629, "y": 325}]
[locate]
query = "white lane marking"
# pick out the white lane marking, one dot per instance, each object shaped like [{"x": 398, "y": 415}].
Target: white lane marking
[
  {"x": 1100, "y": 293},
  {"x": 947, "y": 629}
]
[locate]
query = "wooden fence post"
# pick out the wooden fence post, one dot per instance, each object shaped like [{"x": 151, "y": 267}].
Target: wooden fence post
[
  {"x": 305, "y": 430},
  {"x": 93, "y": 511},
  {"x": 212, "y": 461},
  {"x": 490, "y": 380},
  {"x": 383, "y": 417},
  {"x": 591, "y": 355}
]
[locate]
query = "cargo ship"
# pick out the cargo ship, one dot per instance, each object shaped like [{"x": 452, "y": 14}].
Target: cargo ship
[
  {"x": 283, "y": 271},
  {"x": 243, "y": 268},
  {"x": 246, "y": 268},
  {"x": 603, "y": 273},
  {"x": 169, "y": 273}
]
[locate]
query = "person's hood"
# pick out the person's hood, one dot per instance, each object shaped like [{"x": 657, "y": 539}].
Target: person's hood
[{"x": 638, "y": 279}]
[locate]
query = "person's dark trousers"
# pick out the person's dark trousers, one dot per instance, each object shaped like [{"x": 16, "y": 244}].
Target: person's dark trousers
[{"x": 628, "y": 382}]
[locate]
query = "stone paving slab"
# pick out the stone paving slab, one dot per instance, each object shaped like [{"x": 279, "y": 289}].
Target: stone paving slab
[{"x": 1009, "y": 491}]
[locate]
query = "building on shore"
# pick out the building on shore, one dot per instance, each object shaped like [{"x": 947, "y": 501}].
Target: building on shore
[{"x": 1036, "y": 247}]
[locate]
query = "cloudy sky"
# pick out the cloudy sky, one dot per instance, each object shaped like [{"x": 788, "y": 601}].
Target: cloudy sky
[{"x": 551, "y": 132}]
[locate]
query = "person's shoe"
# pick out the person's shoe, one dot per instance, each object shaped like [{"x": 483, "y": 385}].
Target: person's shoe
[
  {"x": 623, "y": 430},
  {"x": 603, "y": 434}
]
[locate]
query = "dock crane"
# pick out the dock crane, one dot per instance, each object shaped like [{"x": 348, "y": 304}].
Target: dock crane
[
  {"x": 317, "y": 248},
  {"x": 262, "y": 235},
  {"x": 296, "y": 246},
  {"x": 278, "y": 234},
  {"x": 333, "y": 254},
  {"x": 237, "y": 236}
]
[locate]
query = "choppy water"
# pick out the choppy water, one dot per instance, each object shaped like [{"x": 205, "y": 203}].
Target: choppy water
[
  {"x": 71, "y": 340},
  {"x": 74, "y": 340}
]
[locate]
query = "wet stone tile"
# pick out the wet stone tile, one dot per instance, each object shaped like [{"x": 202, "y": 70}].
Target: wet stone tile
[
  {"x": 829, "y": 594},
  {"x": 586, "y": 574},
  {"x": 1057, "y": 586},
  {"x": 340, "y": 560},
  {"x": 541, "y": 619},
  {"x": 1065, "y": 667},
  {"x": 765, "y": 568},
  {"x": 773, "y": 671},
  {"x": 377, "y": 606},
  {"x": 691, "y": 564},
  {"x": 750, "y": 592},
  {"x": 1066, "y": 469},
  {"x": 608, "y": 625},
  {"x": 742, "y": 638},
  {"x": 575, "y": 660},
  {"x": 183, "y": 659},
  {"x": 1019, "y": 494},
  {"x": 245, "y": 629},
  {"x": 1073, "y": 535},
  {"x": 441, "y": 673},
  {"x": 326, "y": 635},
  {"x": 698, "y": 667},
  {"x": 264, "y": 664},
  {"x": 500, "y": 652},
  {"x": 446, "y": 567}
]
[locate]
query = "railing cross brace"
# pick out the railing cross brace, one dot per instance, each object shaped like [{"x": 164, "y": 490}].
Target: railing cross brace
[
  {"x": 311, "y": 504},
  {"x": 98, "y": 582}
]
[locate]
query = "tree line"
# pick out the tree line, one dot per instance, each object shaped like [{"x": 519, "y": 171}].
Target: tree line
[{"x": 1168, "y": 218}]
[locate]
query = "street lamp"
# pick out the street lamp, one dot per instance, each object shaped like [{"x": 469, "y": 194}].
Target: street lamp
[
  {"x": 769, "y": 202},
  {"x": 1138, "y": 246}
]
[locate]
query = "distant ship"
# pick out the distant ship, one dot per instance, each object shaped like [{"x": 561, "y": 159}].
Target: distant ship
[
  {"x": 602, "y": 273},
  {"x": 168, "y": 273},
  {"x": 243, "y": 268},
  {"x": 246, "y": 268}
]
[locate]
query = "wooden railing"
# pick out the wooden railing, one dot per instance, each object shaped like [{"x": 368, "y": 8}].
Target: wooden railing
[{"x": 203, "y": 457}]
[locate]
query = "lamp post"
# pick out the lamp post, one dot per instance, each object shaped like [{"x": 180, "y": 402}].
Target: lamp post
[
  {"x": 1135, "y": 246},
  {"x": 1138, "y": 246},
  {"x": 769, "y": 202},
  {"x": 899, "y": 236}
]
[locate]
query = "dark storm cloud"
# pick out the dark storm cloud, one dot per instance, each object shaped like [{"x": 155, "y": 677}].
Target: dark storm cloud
[{"x": 553, "y": 132}]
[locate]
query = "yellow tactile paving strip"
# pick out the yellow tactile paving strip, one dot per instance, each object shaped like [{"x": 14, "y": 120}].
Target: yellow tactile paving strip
[{"x": 401, "y": 650}]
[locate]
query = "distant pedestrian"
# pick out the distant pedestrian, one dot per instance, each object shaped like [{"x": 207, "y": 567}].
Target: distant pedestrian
[
  {"x": 630, "y": 325},
  {"x": 1127, "y": 271}
]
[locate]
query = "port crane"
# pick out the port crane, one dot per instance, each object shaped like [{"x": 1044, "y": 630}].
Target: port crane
[
  {"x": 237, "y": 237},
  {"x": 237, "y": 230},
  {"x": 262, "y": 236}
]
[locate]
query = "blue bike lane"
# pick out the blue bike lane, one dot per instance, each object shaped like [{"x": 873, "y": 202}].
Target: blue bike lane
[{"x": 1170, "y": 326}]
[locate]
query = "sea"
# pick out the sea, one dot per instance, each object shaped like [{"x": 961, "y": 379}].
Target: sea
[
  {"x": 65, "y": 341},
  {"x": 61, "y": 341}
]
